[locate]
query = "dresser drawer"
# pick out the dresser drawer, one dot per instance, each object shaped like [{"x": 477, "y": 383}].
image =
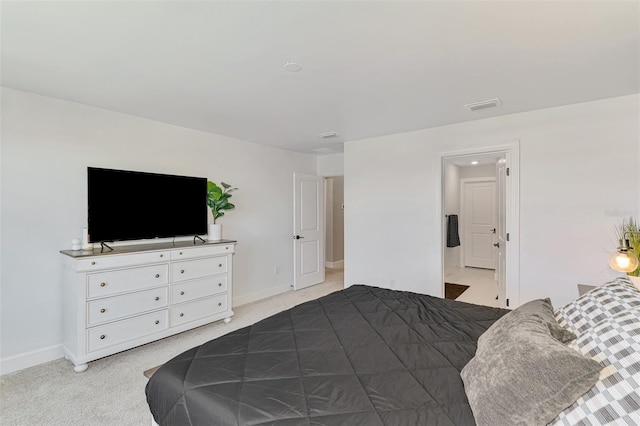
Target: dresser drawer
[
  {"x": 121, "y": 331},
  {"x": 200, "y": 308},
  {"x": 111, "y": 308},
  {"x": 123, "y": 280},
  {"x": 96, "y": 263},
  {"x": 198, "y": 268},
  {"x": 190, "y": 253},
  {"x": 196, "y": 289}
]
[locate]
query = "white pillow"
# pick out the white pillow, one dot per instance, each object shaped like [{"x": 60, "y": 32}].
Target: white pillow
[
  {"x": 615, "y": 398},
  {"x": 598, "y": 304}
]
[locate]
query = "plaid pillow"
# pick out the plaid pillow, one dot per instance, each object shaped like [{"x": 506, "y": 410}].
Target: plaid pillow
[
  {"x": 600, "y": 303},
  {"x": 615, "y": 343}
]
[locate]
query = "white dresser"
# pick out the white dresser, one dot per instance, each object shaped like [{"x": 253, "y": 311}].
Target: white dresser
[{"x": 133, "y": 295}]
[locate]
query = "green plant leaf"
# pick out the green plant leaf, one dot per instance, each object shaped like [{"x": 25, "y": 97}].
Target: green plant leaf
[{"x": 218, "y": 199}]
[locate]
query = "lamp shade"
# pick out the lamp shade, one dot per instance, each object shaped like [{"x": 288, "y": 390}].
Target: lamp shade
[{"x": 623, "y": 261}]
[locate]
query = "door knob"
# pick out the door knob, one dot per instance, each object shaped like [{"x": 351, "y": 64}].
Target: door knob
[
  {"x": 493, "y": 231},
  {"x": 297, "y": 237},
  {"x": 497, "y": 245}
]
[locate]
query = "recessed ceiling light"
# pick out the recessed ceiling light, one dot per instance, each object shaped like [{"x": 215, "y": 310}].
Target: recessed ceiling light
[
  {"x": 474, "y": 162},
  {"x": 292, "y": 67},
  {"x": 489, "y": 103}
]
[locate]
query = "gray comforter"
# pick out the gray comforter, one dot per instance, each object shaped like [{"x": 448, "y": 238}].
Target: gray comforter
[{"x": 361, "y": 356}]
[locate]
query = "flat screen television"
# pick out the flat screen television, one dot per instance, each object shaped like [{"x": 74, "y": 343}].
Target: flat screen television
[{"x": 129, "y": 205}]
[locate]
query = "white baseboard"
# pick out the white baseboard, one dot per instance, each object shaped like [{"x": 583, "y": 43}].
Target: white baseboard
[
  {"x": 30, "y": 359},
  {"x": 334, "y": 265},
  {"x": 259, "y": 295}
]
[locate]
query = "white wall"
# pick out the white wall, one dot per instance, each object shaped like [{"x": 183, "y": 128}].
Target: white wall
[
  {"x": 331, "y": 165},
  {"x": 578, "y": 178},
  {"x": 451, "y": 205},
  {"x": 47, "y": 145}
]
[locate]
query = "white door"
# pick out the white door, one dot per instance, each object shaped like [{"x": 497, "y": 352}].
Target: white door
[
  {"x": 501, "y": 227},
  {"x": 478, "y": 214},
  {"x": 308, "y": 230}
]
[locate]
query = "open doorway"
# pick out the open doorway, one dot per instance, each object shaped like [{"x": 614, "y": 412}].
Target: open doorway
[
  {"x": 479, "y": 226},
  {"x": 470, "y": 259},
  {"x": 334, "y": 226}
]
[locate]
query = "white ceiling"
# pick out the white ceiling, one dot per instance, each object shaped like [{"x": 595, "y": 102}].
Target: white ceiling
[{"x": 370, "y": 68}]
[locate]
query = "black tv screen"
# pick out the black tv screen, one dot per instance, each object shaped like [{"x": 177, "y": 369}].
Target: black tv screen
[{"x": 128, "y": 205}]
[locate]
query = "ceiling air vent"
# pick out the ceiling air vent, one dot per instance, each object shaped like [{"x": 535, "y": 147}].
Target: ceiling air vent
[
  {"x": 489, "y": 103},
  {"x": 327, "y": 135}
]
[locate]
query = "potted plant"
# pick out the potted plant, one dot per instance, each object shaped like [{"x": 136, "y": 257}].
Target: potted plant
[
  {"x": 218, "y": 202},
  {"x": 630, "y": 229}
]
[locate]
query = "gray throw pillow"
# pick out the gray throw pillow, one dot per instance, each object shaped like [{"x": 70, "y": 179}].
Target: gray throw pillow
[
  {"x": 539, "y": 308},
  {"x": 521, "y": 375}
]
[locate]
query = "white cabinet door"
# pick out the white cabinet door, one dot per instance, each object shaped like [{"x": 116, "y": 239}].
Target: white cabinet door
[
  {"x": 479, "y": 226},
  {"x": 308, "y": 230}
]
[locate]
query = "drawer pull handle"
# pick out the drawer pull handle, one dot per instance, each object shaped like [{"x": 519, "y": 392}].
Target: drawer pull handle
[
  {"x": 219, "y": 265},
  {"x": 182, "y": 293},
  {"x": 180, "y": 253},
  {"x": 103, "y": 284},
  {"x": 93, "y": 263},
  {"x": 182, "y": 271},
  {"x": 157, "y": 322},
  {"x": 220, "y": 304},
  {"x": 157, "y": 275},
  {"x": 162, "y": 255},
  {"x": 157, "y": 298},
  {"x": 181, "y": 314},
  {"x": 219, "y": 284},
  {"x": 103, "y": 310},
  {"x": 102, "y": 337}
]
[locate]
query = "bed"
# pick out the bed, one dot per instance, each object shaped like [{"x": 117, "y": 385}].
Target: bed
[{"x": 369, "y": 356}]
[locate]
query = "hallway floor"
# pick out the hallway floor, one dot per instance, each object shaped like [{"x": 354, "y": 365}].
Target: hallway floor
[{"x": 482, "y": 290}]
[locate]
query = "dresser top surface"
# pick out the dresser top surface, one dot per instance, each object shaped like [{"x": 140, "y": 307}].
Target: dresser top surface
[{"x": 138, "y": 248}]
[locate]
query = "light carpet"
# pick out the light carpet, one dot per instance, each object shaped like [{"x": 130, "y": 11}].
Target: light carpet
[{"x": 111, "y": 391}]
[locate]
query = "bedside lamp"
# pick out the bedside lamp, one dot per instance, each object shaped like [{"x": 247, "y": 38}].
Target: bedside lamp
[{"x": 623, "y": 259}]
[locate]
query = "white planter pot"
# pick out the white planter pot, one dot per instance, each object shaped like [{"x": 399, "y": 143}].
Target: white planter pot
[
  {"x": 215, "y": 232},
  {"x": 635, "y": 281}
]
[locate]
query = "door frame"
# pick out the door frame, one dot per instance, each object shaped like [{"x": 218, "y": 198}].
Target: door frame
[
  {"x": 463, "y": 223},
  {"x": 512, "y": 214}
]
